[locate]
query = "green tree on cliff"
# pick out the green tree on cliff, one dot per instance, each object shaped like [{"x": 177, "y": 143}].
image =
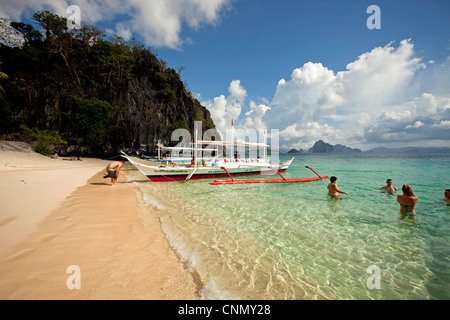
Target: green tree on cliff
[{"x": 70, "y": 80}]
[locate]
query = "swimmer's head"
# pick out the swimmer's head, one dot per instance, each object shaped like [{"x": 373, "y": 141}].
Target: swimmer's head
[
  {"x": 333, "y": 179},
  {"x": 407, "y": 189}
]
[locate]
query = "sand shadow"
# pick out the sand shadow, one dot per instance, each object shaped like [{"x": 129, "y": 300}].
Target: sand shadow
[
  {"x": 119, "y": 182},
  {"x": 100, "y": 184}
]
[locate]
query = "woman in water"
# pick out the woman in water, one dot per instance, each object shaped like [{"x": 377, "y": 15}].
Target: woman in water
[{"x": 407, "y": 202}]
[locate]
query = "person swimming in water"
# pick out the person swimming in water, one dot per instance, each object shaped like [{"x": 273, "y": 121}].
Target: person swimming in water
[
  {"x": 333, "y": 189},
  {"x": 407, "y": 202},
  {"x": 389, "y": 187},
  {"x": 447, "y": 196}
]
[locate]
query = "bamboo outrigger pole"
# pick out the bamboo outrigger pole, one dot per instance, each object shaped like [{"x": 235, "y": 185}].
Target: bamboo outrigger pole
[{"x": 283, "y": 180}]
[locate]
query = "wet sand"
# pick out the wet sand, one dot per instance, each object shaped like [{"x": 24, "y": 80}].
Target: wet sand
[{"x": 57, "y": 214}]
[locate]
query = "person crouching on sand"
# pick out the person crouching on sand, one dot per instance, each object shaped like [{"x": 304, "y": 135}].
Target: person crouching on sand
[
  {"x": 113, "y": 170},
  {"x": 333, "y": 189}
]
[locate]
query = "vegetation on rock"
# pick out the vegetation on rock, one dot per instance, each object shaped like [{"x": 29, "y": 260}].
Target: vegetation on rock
[{"x": 104, "y": 95}]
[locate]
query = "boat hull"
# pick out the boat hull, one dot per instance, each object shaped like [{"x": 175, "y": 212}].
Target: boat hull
[
  {"x": 220, "y": 169},
  {"x": 182, "y": 177}
]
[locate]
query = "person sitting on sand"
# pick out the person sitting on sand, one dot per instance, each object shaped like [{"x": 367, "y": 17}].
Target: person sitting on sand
[
  {"x": 73, "y": 159},
  {"x": 447, "y": 196},
  {"x": 113, "y": 170},
  {"x": 407, "y": 202},
  {"x": 389, "y": 187},
  {"x": 333, "y": 189}
]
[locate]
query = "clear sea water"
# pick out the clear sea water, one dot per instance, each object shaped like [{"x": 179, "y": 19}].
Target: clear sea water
[{"x": 291, "y": 241}]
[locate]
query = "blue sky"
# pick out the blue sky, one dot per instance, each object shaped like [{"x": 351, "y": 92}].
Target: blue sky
[
  {"x": 260, "y": 42},
  {"x": 311, "y": 69}
]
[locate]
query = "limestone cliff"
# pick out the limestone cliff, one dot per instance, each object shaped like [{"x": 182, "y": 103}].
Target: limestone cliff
[
  {"x": 101, "y": 95},
  {"x": 323, "y": 147}
]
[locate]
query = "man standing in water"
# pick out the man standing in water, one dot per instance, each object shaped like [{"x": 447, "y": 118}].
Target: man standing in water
[
  {"x": 389, "y": 187},
  {"x": 113, "y": 170},
  {"x": 333, "y": 189}
]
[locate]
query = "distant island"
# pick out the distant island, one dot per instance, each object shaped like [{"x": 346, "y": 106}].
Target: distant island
[
  {"x": 323, "y": 147},
  {"x": 409, "y": 150}
]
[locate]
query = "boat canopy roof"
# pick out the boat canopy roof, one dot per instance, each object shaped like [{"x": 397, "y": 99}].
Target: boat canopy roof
[
  {"x": 219, "y": 144},
  {"x": 176, "y": 148},
  {"x": 233, "y": 144}
]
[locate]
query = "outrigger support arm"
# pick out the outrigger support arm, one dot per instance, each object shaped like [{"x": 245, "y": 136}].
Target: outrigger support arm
[
  {"x": 227, "y": 173},
  {"x": 278, "y": 173},
  {"x": 313, "y": 171},
  {"x": 190, "y": 175}
]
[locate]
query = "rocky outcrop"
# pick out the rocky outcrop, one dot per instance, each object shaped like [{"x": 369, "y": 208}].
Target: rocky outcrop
[
  {"x": 339, "y": 148},
  {"x": 323, "y": 147},
  {"x": 295, "y": 151},
  {"x": 140, "y": 118},
  {"x": 102, "y": 96}
]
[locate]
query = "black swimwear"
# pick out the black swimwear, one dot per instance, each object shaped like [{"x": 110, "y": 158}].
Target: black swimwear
[{"x": 112, "y": 173}]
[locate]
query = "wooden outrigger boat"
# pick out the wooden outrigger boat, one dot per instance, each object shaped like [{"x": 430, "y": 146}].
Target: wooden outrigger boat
[
  {"x": 204, "y": 167},
  {"x": 211, "y": 169},
  {"x": 283, "y": 180}
]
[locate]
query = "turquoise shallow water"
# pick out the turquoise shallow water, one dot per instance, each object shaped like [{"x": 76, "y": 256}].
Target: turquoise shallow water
[{"x": 290, "y": 241}]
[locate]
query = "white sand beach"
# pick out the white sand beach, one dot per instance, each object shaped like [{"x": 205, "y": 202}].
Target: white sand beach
[{"x": 58, "y": 213}]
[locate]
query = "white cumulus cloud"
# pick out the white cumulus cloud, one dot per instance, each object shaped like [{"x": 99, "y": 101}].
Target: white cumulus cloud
[
  {"x": 379, "y": 76},
  {"x": 225, "y": 110},
  {"x": 444, "y": 124},
  {"x": 310, "y": 94},
  {"x": 373, "y": 102},
  {"x": 158, "y": 22},
  {"x": 416, "y": 125}
]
